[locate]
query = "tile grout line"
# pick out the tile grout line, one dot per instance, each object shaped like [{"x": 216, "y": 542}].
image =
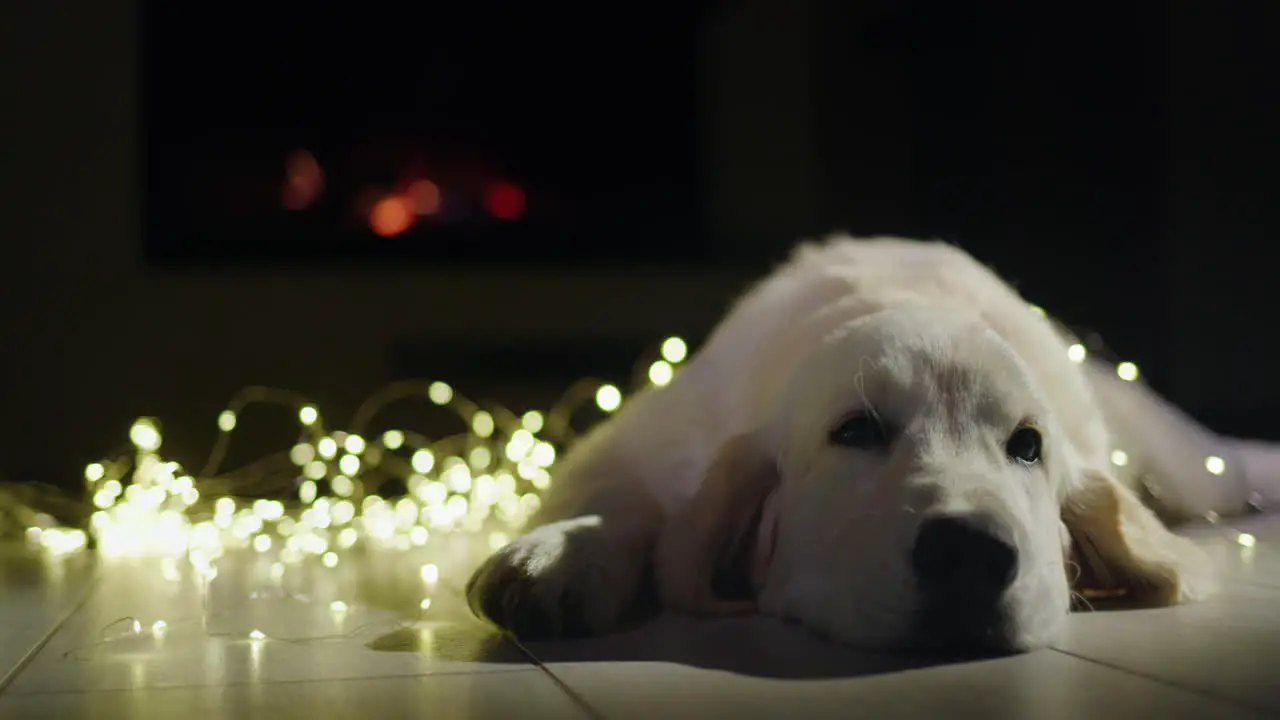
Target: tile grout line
[
  {"x": 1270, "y": 712},
  {"x": 573, "y": 695},
  {"x": 40, "y": 644}
]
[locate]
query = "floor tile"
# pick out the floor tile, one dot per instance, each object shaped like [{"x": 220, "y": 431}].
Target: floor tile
[
  {"x": 526, "y": 694},
  {"x": 1228, "y": 646},
  {"x": 1037, "y": 686},
  {"x": 37, "y": 592},
  {"x": 249, "y": 624}
]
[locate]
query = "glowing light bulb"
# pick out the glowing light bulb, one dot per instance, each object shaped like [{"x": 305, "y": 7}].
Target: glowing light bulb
[
  {"x": 145, "y": 435},
  {"x": 674, "y": 350},
  {"x": 1077, "y": 353},
  {"x": 1215, "y": 465},
  {"x": 302, "y": 453},
  {"x": 1127, "y": 371},
  {"x": 430, "y": 573},
  {"x": 422, "y": 461},
  {"x": 353, "y": 444},
  {"x": 307, "y": 491},
  {"x": 661, "y": 372},
  {"x": 1246, "y": 540},
  {"x": 392, "y": 439},
  {"x": 1119, "y": 458},
  {"x": 327, "y": 447},
  {"x": 392, "y": 216},
  {"x": 257, "y": 635},
  {"x": 504, "y": 201},
  {"x": 226, "y": 421},
  {"x": 93, "y": 472},
  {"x": 482, "y": 424},
  {"x": 440, "y": 393},
  {"x": 307, "y": 415},
  {"x": 349, "y": 464},
  {"x": 532, "y": 421},
  {"x": 342, "y": 486},
  {"x": 329, "y": 559},
  {"x": 608, "y": 398}
]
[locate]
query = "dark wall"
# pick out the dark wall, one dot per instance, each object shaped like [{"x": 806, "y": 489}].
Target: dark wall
[
  {"x": 91, "y": 340},
  {"x": 1114, "y": 160}
]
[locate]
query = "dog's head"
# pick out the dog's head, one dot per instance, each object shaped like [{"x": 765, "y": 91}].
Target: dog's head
[{"x": 912, "y": 487}]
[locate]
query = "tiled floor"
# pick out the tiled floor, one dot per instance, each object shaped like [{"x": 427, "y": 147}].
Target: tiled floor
[{"x": 81, "y": 641}]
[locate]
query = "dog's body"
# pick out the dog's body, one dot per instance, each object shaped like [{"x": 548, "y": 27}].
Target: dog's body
[{"x": 751, "y": 482}]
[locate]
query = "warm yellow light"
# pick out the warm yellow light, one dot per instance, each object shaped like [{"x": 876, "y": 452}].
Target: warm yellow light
[
  {"x": 1215, "y": 465},
  {"x": 422, "y": 461},
  {"x": 342, "y": 486},
  {"x": 1119, "y": 458},
  {"x": 440, "y": 393},
  {"x": 349, "y": 464},
  {"x": 608, "y": 398},
  {"x": 227, "y": 421},
  {"x": 145, "y": 435},
  {"x": 307, "y": 415},
  {"x": 302, "y": 453},
  {"x": 1077, "y": 353},
  {"x": 532, "y": 421},
  {"x": 257, "y": 635},
  {"x": 327, "y": 447},
  {"x": 354, "y": 444},
  {"x": 1246, "y": 540},
  {"x": 543, "y": 454},
  {"x": 661, "y": 372},
  {"x": 1127, "y": 371},
  {"x": 482, "y": 424},
  {"x": 262, "y": 543},
  {"x": 392, "y": 439},
  {"x": 307, "y": 491},
  {"x": 93, "y": 472},
  {"x": 430, "y": 573},
  {"x": 674, "y": 350},
  {"x": 329, "y": 559},
  {"x": 224, "y": 506}
]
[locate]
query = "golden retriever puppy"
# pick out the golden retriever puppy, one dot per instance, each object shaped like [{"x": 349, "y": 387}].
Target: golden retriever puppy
[{"x": 885, "y": 443}]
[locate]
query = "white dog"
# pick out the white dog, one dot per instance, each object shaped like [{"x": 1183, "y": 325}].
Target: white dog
[{"x": 884, "y": 442}]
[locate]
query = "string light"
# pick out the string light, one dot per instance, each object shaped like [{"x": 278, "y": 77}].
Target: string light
[{"x": 323, "y": 495}]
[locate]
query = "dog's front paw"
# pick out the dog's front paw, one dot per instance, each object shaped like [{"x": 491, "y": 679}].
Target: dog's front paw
[{"x": 566, "y": 579}]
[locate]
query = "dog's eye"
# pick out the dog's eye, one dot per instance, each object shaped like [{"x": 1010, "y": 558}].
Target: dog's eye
[
  {"x": 863, "y": 431},
  {"x": 1024, "y": 445}
]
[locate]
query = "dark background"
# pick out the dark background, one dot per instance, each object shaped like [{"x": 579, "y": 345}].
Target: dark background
[{"x": 1116, "y": 161}]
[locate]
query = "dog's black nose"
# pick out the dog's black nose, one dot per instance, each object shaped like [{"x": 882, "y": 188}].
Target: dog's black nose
[{"x": 964, "y": 556}]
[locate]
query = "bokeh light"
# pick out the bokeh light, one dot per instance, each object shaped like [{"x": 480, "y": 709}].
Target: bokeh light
[
  {"x": 304, "y": 181},
  {"x": 424, "y": 196},
  {"x": 504, "y": 201},
  {"x": 391, "y": 216}
]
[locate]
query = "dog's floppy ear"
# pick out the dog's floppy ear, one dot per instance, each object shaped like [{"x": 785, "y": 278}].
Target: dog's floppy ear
[
  {"x": 1123, "y": 550},
  {"x": 711, "y": 541}
]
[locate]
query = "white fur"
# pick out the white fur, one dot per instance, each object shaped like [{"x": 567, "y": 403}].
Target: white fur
[{"x": 927, "y": 337}]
